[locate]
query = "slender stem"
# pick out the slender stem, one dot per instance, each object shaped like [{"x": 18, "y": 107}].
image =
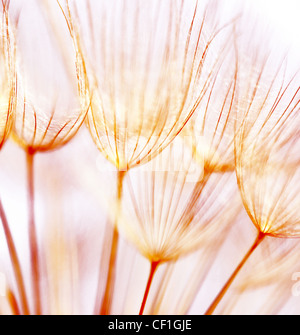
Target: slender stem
[
  {"x": 13, "y": 302},
  {"x": 14, "y": 260},
  {"x": 33, "y": 244},
  {"x": 111, "y": 271},
  {"x": 153, "y": 268},
  {"x": 103, "y": 266},
  {"x": 221, "y": 294}
]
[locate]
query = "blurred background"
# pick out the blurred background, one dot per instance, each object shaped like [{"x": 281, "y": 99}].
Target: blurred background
[{"x": 74, "y": 186}]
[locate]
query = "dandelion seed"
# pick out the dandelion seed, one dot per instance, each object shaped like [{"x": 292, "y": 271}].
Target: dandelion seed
[
  {"x": 144, "y": 66},
  {"x": 159, "y": 218},
  {"x": 265, "y": 147},
  {"x": 48, "y": 109},
  {"x": 7, "y": 116},
  {"x": 145, "y": 79}
]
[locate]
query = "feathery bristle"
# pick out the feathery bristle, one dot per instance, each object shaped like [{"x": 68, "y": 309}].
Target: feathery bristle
[
  {"x": 173, "y": 207},
  {"x": 267, "y": 158},
  {"x": 148, "y": 67},
  {"x": 49, "y": 111}
]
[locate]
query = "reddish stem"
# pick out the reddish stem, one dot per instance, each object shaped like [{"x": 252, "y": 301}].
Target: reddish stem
[
  {"x": 221, "y": 294},
  {"x": 111, "y": 270},
  {"x": 14, "y": 260},
  {"x": 34, "y": 253},
  {"x": 13, "y": 302},
  {"x": 111, "y": 274},
  {"x": 153, "y": 269}
]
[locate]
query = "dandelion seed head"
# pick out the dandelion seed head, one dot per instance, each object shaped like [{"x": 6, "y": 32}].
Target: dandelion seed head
[
  {"x": 267, "y": 161},
  {"x": 145, "y": 72},
  {"x": 166, "y": 216},
  {"x": 48, "y": 109}
]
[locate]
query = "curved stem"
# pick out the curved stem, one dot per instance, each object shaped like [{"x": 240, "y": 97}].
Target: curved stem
[
  {"x": 111, "y": 270},
  {"x": 221, "y": 294},
  {"x": 33, "y": 244},
  {"x": 153, "y": 269},
  {"x": 14, "y": 260}
]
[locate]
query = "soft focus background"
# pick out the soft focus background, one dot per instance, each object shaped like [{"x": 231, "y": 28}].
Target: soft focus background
[{"x": 75, "y": 183}]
